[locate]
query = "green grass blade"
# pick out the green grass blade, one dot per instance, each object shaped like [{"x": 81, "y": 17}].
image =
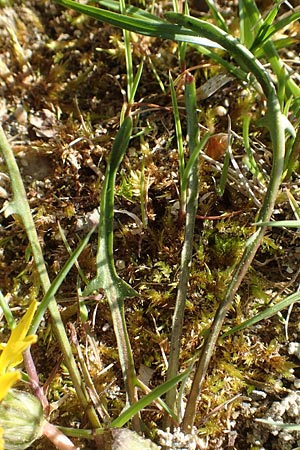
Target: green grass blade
[
  {"x": 263, "y": 33},
  {"x": 246, "y": 25},
  {"x": 278, "y": 26},
  {"x": 56, "y": 283},
  {"x": 219, "y": 19},
  {"x": 276, "y": 123},
  {"x": 251, "y": 163},
  {"x": 116, "y": 289},
  {"x": 133, "y": 11},
  {"x": 182, "y": 46},
  {"x": 156, "y": 75},
  {"x": 278, "y": 45},
  {"x": 241, "y": 54},
  {"x": 157, "y": 392},
  {"x": 150, "y": 27},
  {"x": 265, "y": 314},
  {"x": 192, "y": 161},
  {"x": 187, "y": 249},
  {"x": 128, "y": 61},
  {"x": 136, "y": 81},
  {"x": 107, "y": 277},
  {"x": 284, "y": 426},
  {"x": 7, "y": 312},
  {"x": 20, "y": 206},
  {"x": 178, "y": 136},
  {"x": 66, "y": 244},
  {"x": 265, "y": 43},
  {"x": 280, "y": 223},
  {"x": 231, "y": 68}
]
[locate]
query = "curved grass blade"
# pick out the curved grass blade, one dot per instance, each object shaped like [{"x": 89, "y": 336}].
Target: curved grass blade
[
  {"x": 219, "y": 19},
  {"x": 247, "y": 25},
  {"x": 56, "y": 283},
  {"x": 135, "y": 83},
  {"x": 107, "y": 277},
  {"x": 276, "y": 124},
  {"x": 131, "y": 10},
  {"x": 265, "y": 44},
  {"x": 139, "y": 24},
  {"x": 278, "y": 26},
  {"x": 241, "y": 54},
  {"x": 157, "y": 392},
  {"x": 265, "y": 314},
  {"x": 116, "y": 289},
  {"x": 229, "y": 66},
  {"x": 263, "y": 32}
]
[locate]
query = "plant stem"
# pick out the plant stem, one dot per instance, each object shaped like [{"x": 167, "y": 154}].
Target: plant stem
[
  {"x": 20, "y": 206},
  {"x": 186, "y": 254},
  {"x": 60, "y": 440},
  {"x": 34, "y": 381},
  {"x": 116, "y": 289},
  {"x": 276, "y": 123}
]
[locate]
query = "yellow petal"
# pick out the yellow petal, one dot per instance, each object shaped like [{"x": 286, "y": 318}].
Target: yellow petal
[
  {"x": 1, "y": 439},
  {"x": 22, "y": 328},
  {"x": 7, "y": 381},
  {"x": 14, "y": 355},
  {"x": 18, "y": 342}
]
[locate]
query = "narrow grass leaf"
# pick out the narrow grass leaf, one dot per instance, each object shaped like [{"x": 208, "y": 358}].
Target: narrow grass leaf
[
  {"x": 178, "y": 130},
  {"x": 136, "y": 82},
  {"x": 139, "y": 24},
  {"x": 276, "y": 123},
  {"x": 187, "y": 249},
  {"x": 250, "y": 158},
  {"x": 106, "y": 277},
  {"x": 263, "y": 32},
  {"x": 246, "y": 24},
  {"x": 279, "y": 44},
  {"x": 294, "y": 205},
  {"x": 149, "y": 398},
  {"x": 284, "y": 426},
  {"x": 7, "y": 312},
  {"x": 131, "y": 10},
  {"x": 224, "y": 174},
  {"x": 265, "y": 314},
  {"x": 219, "y": 19},
  {"x": 56, "y": 283},
  {"x": 193, "y": 160},
  {"x": 23, "y": 210},
  {"x": 116, "y": 289},
  {"x": 280, "y": 223},
  {"x": 241, "y": 54},
  {"x": 229, "y": 66},
  {"x": 64, "y": 239},
  {"x": 280, "y": 25}
]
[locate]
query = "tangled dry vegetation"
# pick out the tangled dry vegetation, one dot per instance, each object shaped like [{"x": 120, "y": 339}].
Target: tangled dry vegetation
[{"x": 62, "y": 82}]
